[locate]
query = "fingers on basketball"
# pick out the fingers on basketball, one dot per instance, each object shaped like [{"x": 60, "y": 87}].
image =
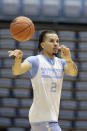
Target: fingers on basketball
[{"x": 17, "y": 53}]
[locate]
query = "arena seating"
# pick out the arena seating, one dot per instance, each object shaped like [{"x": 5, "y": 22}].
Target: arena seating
[
  {"x": 16, "y": 91},
  {"x": 31, "y": 7},
  {"x": 10, "y": 7},
  {"x": 72, "y": 11},
  {"x": 48, "y": 7},
  {"x": 72, "y": 8}
]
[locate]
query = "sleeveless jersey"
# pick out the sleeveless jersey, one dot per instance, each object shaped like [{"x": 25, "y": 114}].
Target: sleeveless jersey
[{"x": 47, "y": 85}]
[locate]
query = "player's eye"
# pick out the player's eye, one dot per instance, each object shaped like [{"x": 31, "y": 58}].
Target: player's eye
[{"x": 51, "y": 40}]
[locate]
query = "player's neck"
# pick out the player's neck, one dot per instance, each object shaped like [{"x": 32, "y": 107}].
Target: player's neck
[{"x": 47, "y": 55}]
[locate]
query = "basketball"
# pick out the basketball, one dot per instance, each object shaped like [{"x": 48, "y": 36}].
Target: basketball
[{"x": 22, "y": 28}]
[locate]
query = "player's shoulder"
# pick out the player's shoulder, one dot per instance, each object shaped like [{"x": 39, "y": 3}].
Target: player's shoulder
[{"x": 32, "y": 59}]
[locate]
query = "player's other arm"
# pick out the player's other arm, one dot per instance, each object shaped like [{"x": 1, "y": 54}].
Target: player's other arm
[
  {"x": 70, "y": 68},
  {"x": 19, "y": 67}
]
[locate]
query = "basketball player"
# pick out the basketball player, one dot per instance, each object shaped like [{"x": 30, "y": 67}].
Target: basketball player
[{"x": 46, "y": 74}]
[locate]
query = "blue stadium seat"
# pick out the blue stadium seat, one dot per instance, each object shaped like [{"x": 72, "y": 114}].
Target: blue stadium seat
[
  {"x": 5, "y": 122},
  {"x": 5, "y": 83},
  {"x": 68, "y": 104},
  {"x": 15, "y": 129},
  {"x": 83, "y": 45},
  {"x": 8, "y": 62},
  {"x": 11, "y": 7},
  {"x": 21, "y": 83},
  {"x": 66, "y": 95},
  {"x": 27, "y": 53},
  {"x": 4, "y": 92},
  {"x": 81, "y": 85},
  {"x": 83, "y": 105},
  {"x": 12, "y": 102},
  {"x": 51, "y": 8},
  {"x": 82, "y": 115},
  {"x": 69, "y": 114},
  {"x": 72, "y": 8},
  {"x": 21, "y": 122},
  {"x": 7, "y": 112},
  {"x": 66, "y": 35},
  {"x": 1, "y": 61},
  {"x": 83, "y": 74},
  {"x": 21, "y": 93},
  {"x": 23, "y": 112},
  {"x": 68, "y": 44},
  {"x": 85, "y": 8},
  {"x": 81, "y": 95},
  {"x": 5, "y": 33},
  {"x": 83, "y": 55},
  {"x": 3, "y": 53},
  {"x": 84, "y": 65},
  {"x": 31, "y": 7},
  {"x": 67, "y": 85},
  {"x": 28, "y": 45},
  {"x": 83, "y": 35},
  {"x": 8, "y": 44},
  {"x": 6, "y": 73},
  {"x": 36, "y": 35},
  {"x": 81, "y": 124},
  {"x": 26, "y": 102}
]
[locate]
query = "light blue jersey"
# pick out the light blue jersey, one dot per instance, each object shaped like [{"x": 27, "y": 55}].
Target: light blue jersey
[{"x": 46, "y": 77}]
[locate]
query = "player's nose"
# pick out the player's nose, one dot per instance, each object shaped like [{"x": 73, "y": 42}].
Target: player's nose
[{"x": 55, "y": 44}]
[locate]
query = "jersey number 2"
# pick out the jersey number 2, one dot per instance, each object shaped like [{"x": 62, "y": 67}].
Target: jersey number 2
[{"x": 53, "y": 87}]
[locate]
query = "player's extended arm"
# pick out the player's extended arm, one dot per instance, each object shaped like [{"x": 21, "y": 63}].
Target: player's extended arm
[
  {"x": 19, "y": 67},
  {"x": 70, "y": 68}
]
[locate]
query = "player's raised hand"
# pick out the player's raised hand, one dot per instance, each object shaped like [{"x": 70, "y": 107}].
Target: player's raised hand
[
  {"x": 65, "y": 52},
  {"x": 17, "y": 53}
]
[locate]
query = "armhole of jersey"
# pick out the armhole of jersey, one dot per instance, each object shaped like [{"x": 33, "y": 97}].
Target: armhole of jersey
[
  {"x": 63, "y": 63},
  {"x": 34, "y": 68}
]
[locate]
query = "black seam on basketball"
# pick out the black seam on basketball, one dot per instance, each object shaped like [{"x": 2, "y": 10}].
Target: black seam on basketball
[
  {"x": 15, "y": 20},
  {"x": 21, "y": 23},
  {"x": 27, "y": 35},
  {"x": 21, "y": 30}
]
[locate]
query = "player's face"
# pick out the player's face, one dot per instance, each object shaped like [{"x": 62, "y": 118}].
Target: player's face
[{"x": 51, "y": 44}]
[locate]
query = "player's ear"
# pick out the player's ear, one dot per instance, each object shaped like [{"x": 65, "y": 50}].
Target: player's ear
[{"x": 42, "y": 45}]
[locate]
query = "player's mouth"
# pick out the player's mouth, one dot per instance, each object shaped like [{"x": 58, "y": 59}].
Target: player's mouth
[{"x": 55, "y": 49}]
